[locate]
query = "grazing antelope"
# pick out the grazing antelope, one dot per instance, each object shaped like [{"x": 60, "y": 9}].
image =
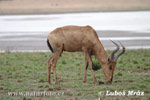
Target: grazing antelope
[{"x": 81, "y": 39}]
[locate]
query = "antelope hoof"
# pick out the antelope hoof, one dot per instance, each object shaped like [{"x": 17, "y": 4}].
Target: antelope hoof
[
  {"x": 49, "y": 82},
  {"x": 95, "y": 82},
  {"x": 109, "y": 82},
  {"x": 84, "y": 81},
  {"x": 56, "y": 82}
]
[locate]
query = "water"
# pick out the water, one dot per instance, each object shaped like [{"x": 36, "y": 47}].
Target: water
[
  {"x": 126, "y": 21},
  {"x": 29, "y": 32}
]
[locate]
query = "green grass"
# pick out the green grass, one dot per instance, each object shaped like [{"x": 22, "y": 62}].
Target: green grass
[{"x": 26, "y": 72}]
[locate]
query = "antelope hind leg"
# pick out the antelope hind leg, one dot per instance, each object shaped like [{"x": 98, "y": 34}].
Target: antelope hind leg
[{"x": 49, "y": 64}]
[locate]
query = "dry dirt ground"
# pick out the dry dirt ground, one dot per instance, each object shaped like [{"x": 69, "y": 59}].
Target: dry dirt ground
[{"x": 63, "y": 6}]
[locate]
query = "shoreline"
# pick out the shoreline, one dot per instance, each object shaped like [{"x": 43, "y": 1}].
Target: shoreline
[
  {"x": 66, "y": 12},
  {"x": 42, "y": 13}
]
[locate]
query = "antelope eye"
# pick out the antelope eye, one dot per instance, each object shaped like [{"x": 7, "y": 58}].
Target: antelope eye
[{"x": 110, "y": 67}]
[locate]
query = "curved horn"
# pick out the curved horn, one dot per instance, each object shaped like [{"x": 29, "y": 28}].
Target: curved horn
[
  {"x": 122, "y": 52},
  {"x": 114, "y": 51}
]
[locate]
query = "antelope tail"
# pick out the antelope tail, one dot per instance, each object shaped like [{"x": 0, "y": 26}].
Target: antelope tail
[{"x": 49, "y": 45}]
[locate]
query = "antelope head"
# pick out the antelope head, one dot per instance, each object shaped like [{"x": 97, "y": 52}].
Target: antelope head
[{"x": 112, "y": 60}]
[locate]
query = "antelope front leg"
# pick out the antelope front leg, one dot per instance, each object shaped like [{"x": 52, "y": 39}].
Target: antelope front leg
[
  {"x": 90, "y": 63},
  {"x": 85, "y": 70}
]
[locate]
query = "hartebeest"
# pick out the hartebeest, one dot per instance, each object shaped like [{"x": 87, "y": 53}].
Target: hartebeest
[{"x": 81, "y": 39}]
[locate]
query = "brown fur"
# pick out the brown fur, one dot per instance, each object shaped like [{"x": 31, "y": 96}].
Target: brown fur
[{"x": 81, "y": 39}]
